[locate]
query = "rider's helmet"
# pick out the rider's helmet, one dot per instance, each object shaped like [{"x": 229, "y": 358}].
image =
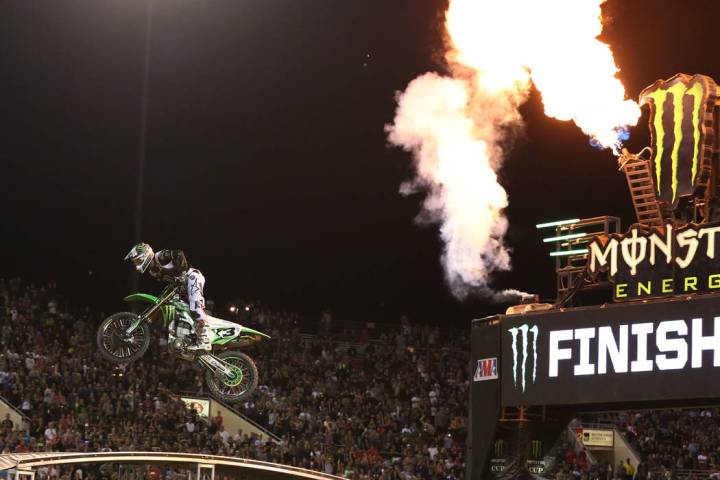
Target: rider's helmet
[{"x": 140, "y": 255}]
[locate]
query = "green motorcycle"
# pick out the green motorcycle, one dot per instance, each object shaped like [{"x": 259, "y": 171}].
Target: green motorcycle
[{"x": 231, "y": 375}]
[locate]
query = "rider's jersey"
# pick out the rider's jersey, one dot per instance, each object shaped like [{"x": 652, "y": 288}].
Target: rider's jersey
[{"x": 170, "y": 265}]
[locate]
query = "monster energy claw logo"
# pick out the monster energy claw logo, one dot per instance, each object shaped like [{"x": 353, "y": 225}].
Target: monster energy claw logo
[
  {"x": 499, "y": 448},
  {"x": 536, "y": 449},
  {"x": 677, "y": 121},
  {"x": 534, "y": 462},
  {"x": 168, "y": 312},
  {"x": 524, "y": 330}
]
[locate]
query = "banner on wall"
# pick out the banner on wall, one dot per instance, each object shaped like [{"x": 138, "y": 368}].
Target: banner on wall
[{"x": 200, "y": 405}]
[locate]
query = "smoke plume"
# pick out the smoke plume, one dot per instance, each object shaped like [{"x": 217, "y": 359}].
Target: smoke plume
[{"x": 457, "y": 125}]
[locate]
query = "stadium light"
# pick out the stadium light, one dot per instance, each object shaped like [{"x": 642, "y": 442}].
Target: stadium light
[
  {"x": 564, "y": 253},
  {"x": 564, "y": 237},
  {"x": 142, "y": 137},
  {"x": 557, "y": 223}
]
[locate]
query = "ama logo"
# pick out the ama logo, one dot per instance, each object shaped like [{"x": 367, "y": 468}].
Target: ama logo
[
  {"x": 486, "y": 370},
  {"x": 524, "y": 331}
]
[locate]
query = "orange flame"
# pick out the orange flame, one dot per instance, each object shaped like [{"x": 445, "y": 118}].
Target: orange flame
[{"x": 553, "y": 43}]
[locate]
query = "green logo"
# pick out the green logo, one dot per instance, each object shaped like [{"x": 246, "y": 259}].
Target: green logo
[
  {"x": 168, "y": 312},
  {"x": 524, "y": 330},
  {"x": 536, "y": 449},
  {"x": 499, "y": 447},
  {"x": 679, "y": 120}
]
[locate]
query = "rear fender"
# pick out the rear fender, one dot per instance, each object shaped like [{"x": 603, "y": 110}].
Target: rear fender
[{"x": 250, "y": 331}]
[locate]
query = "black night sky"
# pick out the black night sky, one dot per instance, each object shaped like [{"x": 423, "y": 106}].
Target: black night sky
[{"x": 267, "y": 161}]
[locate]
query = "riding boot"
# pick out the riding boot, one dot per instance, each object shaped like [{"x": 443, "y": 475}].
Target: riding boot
[
  {"x": 202, "y": 333},
  {"x": 204, "y": 337}
]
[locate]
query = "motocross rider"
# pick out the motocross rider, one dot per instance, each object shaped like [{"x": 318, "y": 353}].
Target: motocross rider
[{"x": 170, "y": 266}]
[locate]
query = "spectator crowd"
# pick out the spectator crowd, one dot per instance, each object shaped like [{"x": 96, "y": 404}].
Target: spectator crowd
[
  {"x": 672, "y": 441},
  {"x": 361, "y": 402},
  {"x": 389, "y": 405}
]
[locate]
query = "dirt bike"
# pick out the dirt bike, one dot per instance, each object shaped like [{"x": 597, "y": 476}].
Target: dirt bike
[{"x": 231, "y": 375}]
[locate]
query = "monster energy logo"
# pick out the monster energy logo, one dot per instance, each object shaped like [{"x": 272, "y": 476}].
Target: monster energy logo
[
  {"x": 659, "y": 262},
  {"x": 497, "y": 463},
  {"x": 524, "y": 330},
  {"x": 678, "y": 108},
  {"x": 168, "y": 312},
  {"x": 536, "y": 449},
  {"x": 499, "y": 447}
]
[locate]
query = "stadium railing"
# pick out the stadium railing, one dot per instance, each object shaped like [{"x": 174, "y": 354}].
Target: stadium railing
[
  {"x": 690, "y": 474},
  {"x": 15, "y": 414}
]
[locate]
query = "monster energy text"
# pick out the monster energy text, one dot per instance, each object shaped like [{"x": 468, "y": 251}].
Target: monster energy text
[{"x": 655, "y": 263}]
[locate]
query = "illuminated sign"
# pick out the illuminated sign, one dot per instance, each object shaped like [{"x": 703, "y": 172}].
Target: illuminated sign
[
  {"x": 659, "y": 262},
  {"x": 614, "y": 345},
  {"x": 681, "y": 110},
  {"x": 597, "y": 438},
  {"x": 619, "y": 353},
  {"x": 200, "y": 405},
  {"x": 521, "y": 366}
]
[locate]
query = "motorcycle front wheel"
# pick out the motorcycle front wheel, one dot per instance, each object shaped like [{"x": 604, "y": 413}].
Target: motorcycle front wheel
[
  {"x": 118, "y": 346},
  {"x": 241, "y": 384}
]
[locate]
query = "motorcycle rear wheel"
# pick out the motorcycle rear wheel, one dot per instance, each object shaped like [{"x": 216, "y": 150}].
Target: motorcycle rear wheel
[
  {"x": 117, "y": 346},
  {"x": 239, "y": 386}
]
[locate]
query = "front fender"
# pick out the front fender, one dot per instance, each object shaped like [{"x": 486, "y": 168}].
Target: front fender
[{"x": 141, "y": 298}]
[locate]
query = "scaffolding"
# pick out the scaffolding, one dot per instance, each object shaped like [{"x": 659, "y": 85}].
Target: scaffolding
[{"x": 571, "y": 241}]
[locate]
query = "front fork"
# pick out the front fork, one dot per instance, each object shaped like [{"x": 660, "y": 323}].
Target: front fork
[
  {"x": 214, "y": 364},
  {"x": 145, "y": 316}
]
